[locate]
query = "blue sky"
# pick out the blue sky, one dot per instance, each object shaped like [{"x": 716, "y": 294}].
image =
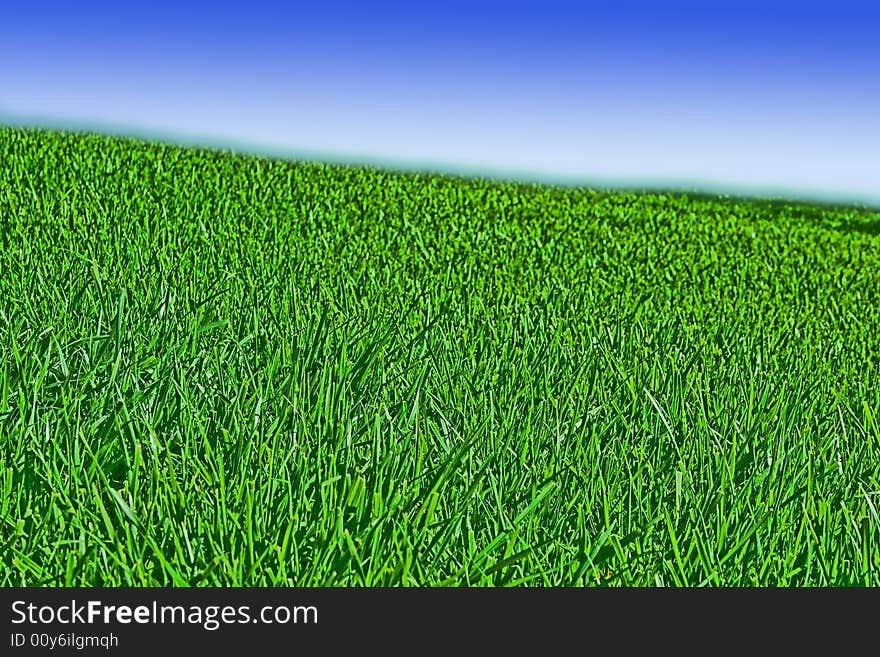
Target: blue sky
[{"x": 776, "y": 97}]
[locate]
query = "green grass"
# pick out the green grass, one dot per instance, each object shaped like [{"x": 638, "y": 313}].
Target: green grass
[{"x": 226, "y": 370}]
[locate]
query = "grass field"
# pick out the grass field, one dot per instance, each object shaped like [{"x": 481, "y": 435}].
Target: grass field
[{"x": 218, "y": 369}]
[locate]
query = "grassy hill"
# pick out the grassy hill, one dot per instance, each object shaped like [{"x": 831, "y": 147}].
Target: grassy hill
[{"x": 217, "y": 369}]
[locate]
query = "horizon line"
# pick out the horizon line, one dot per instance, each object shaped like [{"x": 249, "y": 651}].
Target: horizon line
[{"x": 407, "y": 165}]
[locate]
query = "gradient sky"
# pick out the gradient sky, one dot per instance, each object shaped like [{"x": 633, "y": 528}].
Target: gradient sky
[{"x": 777, "y": 97}]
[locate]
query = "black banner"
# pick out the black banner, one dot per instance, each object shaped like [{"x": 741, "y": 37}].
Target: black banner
[{"x": 293, "y": 621}]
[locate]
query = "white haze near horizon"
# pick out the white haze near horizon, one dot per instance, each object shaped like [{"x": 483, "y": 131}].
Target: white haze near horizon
[{"x": 809, "y": 141}]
